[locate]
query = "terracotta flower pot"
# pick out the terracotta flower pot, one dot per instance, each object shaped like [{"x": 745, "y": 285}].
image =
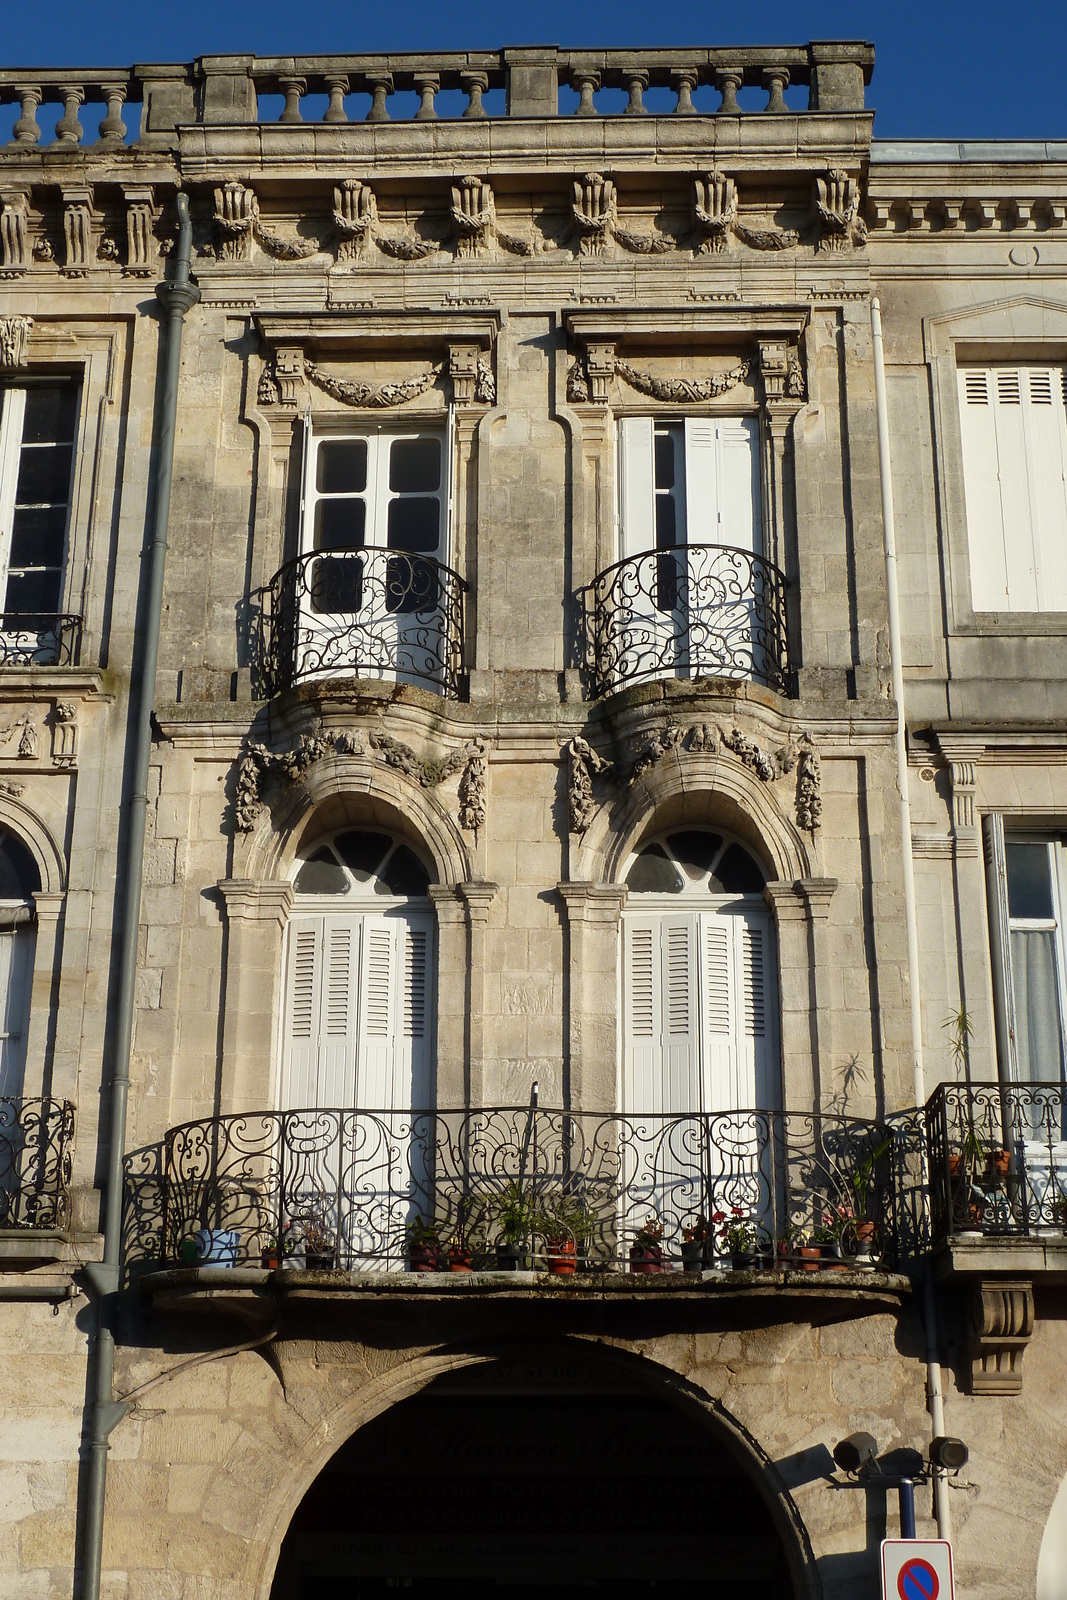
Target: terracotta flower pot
[
  {"x": 1000, "y": 1161},
  {"x": 271, "y": 1260},
  {"x": 646, "y": 1258},
  {"x": 561, "y": 1257},
  {"x": 865, "y": 1233},
  {"x": 810, "y": 1256},
  {"x": 459, "y": 1260},
  {"x": 422, "y": 1257}
]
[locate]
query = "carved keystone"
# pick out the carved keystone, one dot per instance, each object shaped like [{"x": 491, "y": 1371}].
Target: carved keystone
[{"x": 1002, "y": 1320}]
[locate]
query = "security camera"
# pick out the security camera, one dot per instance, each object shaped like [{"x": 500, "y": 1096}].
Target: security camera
[
  {"x": 859, "y": 1450},
  {"x": 949, "y": 1453}
]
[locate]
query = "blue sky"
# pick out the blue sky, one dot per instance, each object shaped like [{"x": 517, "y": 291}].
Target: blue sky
[{"x": 943, "y": 70}]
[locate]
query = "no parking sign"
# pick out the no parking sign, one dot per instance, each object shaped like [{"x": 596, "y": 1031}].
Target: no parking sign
[{"x": 917, "y": 1569}]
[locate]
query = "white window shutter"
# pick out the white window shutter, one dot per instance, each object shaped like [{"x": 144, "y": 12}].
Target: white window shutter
[
  {"x": 1046, "y": 425},
  {"x": 16, "y": 978},
  {"x": 981, "y": 476},
  {"x": 703, "y": 489},
  {"x": 412, "y": 1078},
  {"x": 680, "y": 1090},
  {"x": 300, "y": 1050},
  {"x": 723, "y": 471},
  {"x": 720, "y": 1012},
  {"x": 336, "y": 1066},
  {"x": 637, "y": 487},
  {"x": 760, "y": 1010},
  {"x": 661, "y": 1021},
  {"x": 641, "y": 1018}
]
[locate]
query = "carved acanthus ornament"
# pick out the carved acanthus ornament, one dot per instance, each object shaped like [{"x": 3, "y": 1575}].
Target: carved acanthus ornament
[
  {"x": 375, "y": 395},
  {"x": 14, "y": 342},
  {"x": 259, "y": 766},
  {"x": 473, "y": 788},
  {"x": 355, "y": 216},
  {"x": 836, "y": 202},
  {"x": 714, "y": 211},
  {"x": 470, "y": 761},
  {"x": 700, "y": 738},
  {"x": 595, "y": 211},
  {"x": 238, "y": 222},
  {"x": 472, "y": 375}
]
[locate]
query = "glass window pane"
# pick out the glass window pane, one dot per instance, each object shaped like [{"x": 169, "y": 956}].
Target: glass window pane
[
  {"x": 38, "y": 535},
  {"x": 695, "y": 850},
  {"x": 411, "y": 586},
  {"x": 336, "y": 586},
  {"x": 415, "y": 465},
  {"x": 414, "y": 525},
  {"x": 404, "y": 874},
  {"x": 340, "y": 524},
  {"x": 36, "y": 593},
  {"x": 321, "y": 874},
  {"x": 44, "y": 475},
  {"x": 19, "y": 877},
  {"x": 1029, "y": 879},
  {"x": 51, "y": 414},
  {"x": 738, "y": 873},
  {"x": 342, "y": 466},
  {"x": 1039, "y": 1035},
  {"x": 654, "y": 873},
  {"x": 362, "y": 853},
  {"x": 666, "y": 521}
]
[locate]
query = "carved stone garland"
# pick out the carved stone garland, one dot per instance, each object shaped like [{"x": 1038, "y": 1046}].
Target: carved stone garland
[
  {"x": 594, "y": 213},
  {"x": 259, "y": 766},
  {"x": 237, "y": 222},
  {"x": 590, "y": 375},
  {"x": 700, "y": 738},
  {"x": 375, "y": 395}
]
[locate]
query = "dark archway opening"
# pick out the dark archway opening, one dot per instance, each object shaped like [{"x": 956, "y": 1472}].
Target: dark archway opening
[{"x": 491, "y": 1485}]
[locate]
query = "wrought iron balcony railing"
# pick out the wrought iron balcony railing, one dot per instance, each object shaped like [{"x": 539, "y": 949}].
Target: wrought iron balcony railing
[
  {"x": 371, "y": 1189},
  {"x": 36, "y": 640},
  {"x": 998, "y": 1159},
  {"x": 368, "y": 613},
  {"x": 36, "y": 1151},
  {"x": 687, "y": 611}
]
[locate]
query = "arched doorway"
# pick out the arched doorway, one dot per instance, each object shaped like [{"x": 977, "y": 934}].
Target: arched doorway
[{"x": 516, "y": 1478}]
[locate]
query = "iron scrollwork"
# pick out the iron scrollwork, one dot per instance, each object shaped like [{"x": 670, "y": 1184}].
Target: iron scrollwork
[{"x": 36, "y": 1155}]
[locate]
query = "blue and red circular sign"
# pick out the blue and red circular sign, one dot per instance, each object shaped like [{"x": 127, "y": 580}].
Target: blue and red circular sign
[{"x": 917, "y": 1580}]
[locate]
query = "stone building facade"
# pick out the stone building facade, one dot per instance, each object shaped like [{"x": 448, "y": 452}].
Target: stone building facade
[{"x": 524, "y": 887}]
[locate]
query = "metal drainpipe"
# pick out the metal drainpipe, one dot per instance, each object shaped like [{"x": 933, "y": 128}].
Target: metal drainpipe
[
  {"x": 177, "y": 296},
  {"x": 935, "y": 1399}
]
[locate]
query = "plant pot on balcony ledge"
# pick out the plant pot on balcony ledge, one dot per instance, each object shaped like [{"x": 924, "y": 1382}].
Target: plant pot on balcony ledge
[
  {"x": 561, "y": 1257},
  {"x": 646, "y": 1258}
]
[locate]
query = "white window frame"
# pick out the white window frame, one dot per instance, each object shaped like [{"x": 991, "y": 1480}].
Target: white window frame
[
  {"x": 31, "y": 643},
  {"x": 999, "y": 832}
]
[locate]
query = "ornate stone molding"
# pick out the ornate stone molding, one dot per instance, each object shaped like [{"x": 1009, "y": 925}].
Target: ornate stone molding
[
  {"x": 470, "y": 761},
  {"x": 472, "y": 375},
  {"x": 65, "y": 733},
  {"x": 77, "y": 232},
  {"x": 378, "y": 396},
  {"x": 714, "y": 212},
  {"x": 238, "y": 222},
  {"x": 29, "y": 738},
  {"x": 14, "y": 342},
  {"x": 767, "y": 238},
  {"x": 682, "y": 391},
  {"x": 355, "y": 216},
  {"x": 15, "y": 253},
  {"x": 836, "y": 202},
  {"x": 141, "y": 248},
  {"x": 259, "y": 766},
  {"x": 595, "y": 213},
  {"x": 1001, "y": 1323},
  {"x": 700, "y": 738}
]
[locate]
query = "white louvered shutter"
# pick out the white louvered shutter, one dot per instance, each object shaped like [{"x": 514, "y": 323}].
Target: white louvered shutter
[
  {"x": 722, "y": 482},
  {"x": 719, "y": 1047},
  {"x": 1014, "y": 435},
  {"x": 637, "y": 487},
  {"x": 641, "y": 1022},
  {"x": 300, "y": 1057},
  {"x": 662, "y": 1020},
  {"x": 16, "y": 976}
]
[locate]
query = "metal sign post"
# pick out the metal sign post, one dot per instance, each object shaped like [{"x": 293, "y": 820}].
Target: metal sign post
[{"x": 917, "y": 1569}]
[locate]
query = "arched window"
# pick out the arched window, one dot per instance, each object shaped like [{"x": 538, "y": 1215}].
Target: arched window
[
  {"x": 359, "y": 976},
  {"x": 700, "y": 1001},
  {"x": 19, "y": 881}
]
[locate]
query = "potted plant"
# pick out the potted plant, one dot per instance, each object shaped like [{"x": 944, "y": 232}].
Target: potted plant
[
  {"x": 695, "y": 1236},
  {"x": 422, "y": 1244},
  {"x": 564, "y": 1224},
  {"x": 459, "y": 1254},
  {"x": 278, "y": 1246},
  {"x": 739, "y": 1238},
  {"x": 837, "y": 1224},
  {"x": 646, "y": 1252},
  {"x": 319, "y": 1248},
  {"x": 515, "y": 1221},
  {"x": 790, "y": 1241}
]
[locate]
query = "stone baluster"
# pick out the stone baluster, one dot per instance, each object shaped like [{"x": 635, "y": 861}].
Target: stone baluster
[
  {"x": 586, "y": 83},
  {"x": 68, "y": 129},
  {"x": 728, "y": 80},
  {"x": 380, "y": 85},
  {"x": 112, "y": 129},
  {"x": 775, "y": 80},
  {"x": 26, "y": 129},
  {"x": 336, "y": 88},
  {"x": 474, "y": 85},
  {"x": 683, "y": 82},
  {"x": 636, "y": 82},
  {"x": 426, "y": 86},
  {"x": 292, "y": 88}
]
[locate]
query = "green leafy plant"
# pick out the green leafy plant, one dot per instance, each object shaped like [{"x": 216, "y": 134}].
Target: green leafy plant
[
  {"x": 563, "y": 1216},
  {"x": 417, "y": 1232},
  {"x": 738, "y": 1234},
  {"x": 649, "y": 1235},
  {"x": 862, "y": 1178},
  {"x": 514, "y": 1213}
]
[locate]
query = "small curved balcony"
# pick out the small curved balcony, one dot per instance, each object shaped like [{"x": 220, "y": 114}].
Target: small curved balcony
[
  {"x": 36, "y": 1154},
  {"x": 513, "y": 1188},
  {"x": 36, "y": 639},
  {"x": 369, "y": 613},
  {"x": 686, "y": 611}
]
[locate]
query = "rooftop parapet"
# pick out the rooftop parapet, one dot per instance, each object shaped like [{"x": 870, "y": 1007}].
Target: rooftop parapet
[{"x": 537, "y": 82}]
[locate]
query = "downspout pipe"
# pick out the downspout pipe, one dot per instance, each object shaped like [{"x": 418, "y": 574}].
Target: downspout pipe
[
  {"x": 177, "y": 296},
  {"x": 934, "y": 1395}
]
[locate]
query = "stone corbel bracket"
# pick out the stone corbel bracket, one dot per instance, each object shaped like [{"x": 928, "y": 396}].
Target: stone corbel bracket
[
  {"x": 1001, "y": 1324},
  {"x": 836, "y": 205},
  {"x": 595, "y": 219},
  {"x": 14, "y": 342},
  {"x": 237, "y": 222},
  {"x": 356, "y": 225},
  {"x": 782, "y": 373},
  {"x": 16, "y": 251}
]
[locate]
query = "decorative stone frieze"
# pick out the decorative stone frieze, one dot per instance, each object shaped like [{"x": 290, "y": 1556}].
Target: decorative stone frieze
[
  {"x": 376, "y": 396},
  {"x": 473, "y": 217},
  {"x": 259, "y": 766},
  {"x": 14, "y": 342},
  {"x": 1001, "y": 1324},
  {"x": 24, "y": 726},
  {"x": 595, "y": 211},
  {"x": 355, "y": 216},
  {"x": 584, "y": 765},
  {"x": 714, "y": 212},
  {"x": 15, "y": 254},
  {"x": 766, "y": 238},
  {"x": 238, "y": 222},
  {"x": 682, "y": 391}
]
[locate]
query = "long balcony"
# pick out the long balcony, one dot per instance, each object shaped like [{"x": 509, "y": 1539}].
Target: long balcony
[
  {"x": 685, "y": 611},
  {"x": 36, "y": 1152},
  {"x": 370, "y": 613},
  {"x": 998, "y": 1161},
  {"x": 507, "y": 1187}
]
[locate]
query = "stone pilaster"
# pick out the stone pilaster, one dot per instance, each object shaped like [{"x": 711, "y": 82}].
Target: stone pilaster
[
  {"x": 256, "y": 915},
  {"x": 594, "y": 912}
]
